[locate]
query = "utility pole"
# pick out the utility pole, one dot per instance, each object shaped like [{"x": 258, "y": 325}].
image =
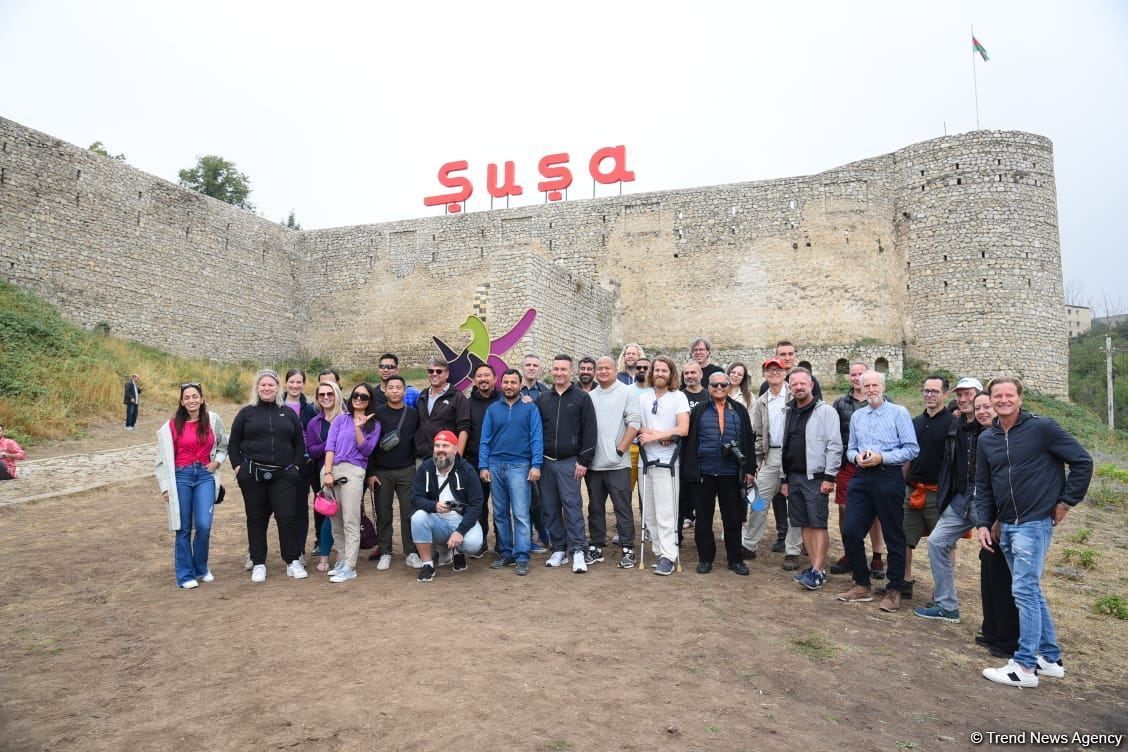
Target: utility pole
[{"x": 1108, "y": 376}]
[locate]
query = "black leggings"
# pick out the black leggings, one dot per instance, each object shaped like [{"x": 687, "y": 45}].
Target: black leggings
[{"x": 260, "y": 500}]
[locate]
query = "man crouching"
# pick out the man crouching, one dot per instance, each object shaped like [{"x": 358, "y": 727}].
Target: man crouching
[{"x": 447, "y": 497}]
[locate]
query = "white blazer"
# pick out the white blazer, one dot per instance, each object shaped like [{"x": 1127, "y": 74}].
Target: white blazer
[{"x": 166, "y": 467}]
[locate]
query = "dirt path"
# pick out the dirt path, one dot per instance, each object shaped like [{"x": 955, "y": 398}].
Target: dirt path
[{"x": 100, "y": 651}]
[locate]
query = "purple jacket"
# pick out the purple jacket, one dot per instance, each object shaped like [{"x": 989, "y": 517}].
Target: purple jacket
[
  {"x": 342, "y": 441},
  {"x": 315, "y": 445}
]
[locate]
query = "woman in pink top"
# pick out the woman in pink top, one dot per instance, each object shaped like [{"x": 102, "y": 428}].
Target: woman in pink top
[
  {"x": 190, "y": 449},
  {"x": 10, "y": 451}
]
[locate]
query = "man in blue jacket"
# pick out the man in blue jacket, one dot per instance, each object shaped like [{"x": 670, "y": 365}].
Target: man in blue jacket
[
  {"x": 510, "y": 454},
  {"x": 1028, "y": 505}
]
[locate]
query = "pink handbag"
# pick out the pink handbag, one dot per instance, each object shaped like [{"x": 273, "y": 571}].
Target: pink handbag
[{"x": 324, "y": 504}]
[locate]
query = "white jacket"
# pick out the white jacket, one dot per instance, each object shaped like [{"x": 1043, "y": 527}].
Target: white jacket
[{"x": 166, "y": 467}]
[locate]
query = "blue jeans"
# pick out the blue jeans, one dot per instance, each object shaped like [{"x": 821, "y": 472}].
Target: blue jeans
[
  {"x": 195, "y": 488},
  {"x": 941, "y": 542},
  {"x": 1025, "y": 546},
  {"x": 509, "y": 487},
  {"x": 131, "y": 409},
  {"x": 429, "y": 527}
]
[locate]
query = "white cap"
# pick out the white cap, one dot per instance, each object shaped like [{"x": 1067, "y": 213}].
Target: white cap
[{"x": 969, "y": 383}]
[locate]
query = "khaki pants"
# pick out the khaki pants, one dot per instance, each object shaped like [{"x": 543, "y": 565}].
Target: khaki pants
[{"x": 346, "y": 522}]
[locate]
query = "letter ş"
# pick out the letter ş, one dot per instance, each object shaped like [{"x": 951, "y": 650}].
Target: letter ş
[{"x": 552, "y": 167}]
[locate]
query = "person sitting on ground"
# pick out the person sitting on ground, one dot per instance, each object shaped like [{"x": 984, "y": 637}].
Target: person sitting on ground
[
  {"x": 448, "y": 501},
  {"x": 10, "y": 451}
]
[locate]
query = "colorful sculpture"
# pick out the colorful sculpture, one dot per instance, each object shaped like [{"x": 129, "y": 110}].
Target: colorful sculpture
[{"x": 481, "y": 348}]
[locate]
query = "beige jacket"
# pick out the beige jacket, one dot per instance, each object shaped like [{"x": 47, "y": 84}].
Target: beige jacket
[{"x": 760, "y": 423}]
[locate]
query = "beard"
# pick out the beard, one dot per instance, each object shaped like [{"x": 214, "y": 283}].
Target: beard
[
  {"x": 875, "y": 400},
  {"x": 443, "y": 461}
]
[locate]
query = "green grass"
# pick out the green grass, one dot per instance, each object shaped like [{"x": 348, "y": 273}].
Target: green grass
[
  {"x": 815, "y": 647},
  {"x": 1111, "y": 605}
]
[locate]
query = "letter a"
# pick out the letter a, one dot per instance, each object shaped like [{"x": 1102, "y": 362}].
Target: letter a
[{"x": 620, "y": 173}]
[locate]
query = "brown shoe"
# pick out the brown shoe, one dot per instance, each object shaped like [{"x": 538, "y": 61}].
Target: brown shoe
[
  {"x": 857, "y": 594},
  {"x": 891, "y": 602}
]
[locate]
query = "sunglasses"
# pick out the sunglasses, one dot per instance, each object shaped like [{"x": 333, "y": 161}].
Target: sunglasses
[
  {"x": 654, "y": 409},
  {"x": 719, "y": 385},
  {"x": 323, "y": 395},
  {"x": 190, "y": 385},
  {"x": 642, "y": 368},
  {"x": 436, "y": 371},
  {"x": 386, "y": 366},
  {"x": 360, "y": 397}
]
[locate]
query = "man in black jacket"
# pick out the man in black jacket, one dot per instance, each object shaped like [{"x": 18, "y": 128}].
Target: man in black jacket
[
  {"x": 568, "y": 418},
  {"x": 132, "y": 400},
  {"x": 1028, "y": 504},
  {"x": 448, "y": 500},
  {"x": 441, "y": 408}
]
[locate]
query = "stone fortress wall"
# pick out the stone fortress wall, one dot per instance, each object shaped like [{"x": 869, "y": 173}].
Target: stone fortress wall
[{"x": 857, "y": 261}]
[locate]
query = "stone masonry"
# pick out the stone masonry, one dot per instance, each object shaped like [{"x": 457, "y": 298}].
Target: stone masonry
[{"x": 945, "y": 251}]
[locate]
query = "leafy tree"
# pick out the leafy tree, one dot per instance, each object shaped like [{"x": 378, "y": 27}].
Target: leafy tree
[
  {"x": 292, "y": 222},
  {"x": 99, "y": 148},
  {"x": 216, "y": 177}
]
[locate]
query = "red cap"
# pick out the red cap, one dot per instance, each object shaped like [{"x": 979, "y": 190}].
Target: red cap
[
  {"x": 771, "y": 362},
  {"x": 446, "y": 436}
]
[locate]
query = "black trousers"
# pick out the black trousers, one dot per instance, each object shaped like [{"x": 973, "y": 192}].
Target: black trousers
[
  {"x": 260, "y": 500},
  {"x": 1000, "y": 615},
  {"x": 687, "y": 506},
  {"x": 484, "y": 517},
  {"x": 779, "y": 511},
  {"x": 714, "y": 490},
  {"x": 876, "y": 492}
]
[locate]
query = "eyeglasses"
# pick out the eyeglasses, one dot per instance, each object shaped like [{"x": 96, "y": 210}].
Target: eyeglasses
[
  {"x": 436, "y": 371},
  {"x": 360, "y": 398},
  {"x": 700, "y": 349},
  {"x": 323, "y": 395},
  {"x": 930, "y": 391},
  {"x": 190, "y": 385},
  {"x": 719, "y": 385},
  {"x": 386, "y": 366}
]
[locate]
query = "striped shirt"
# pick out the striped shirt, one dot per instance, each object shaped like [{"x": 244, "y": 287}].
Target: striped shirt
[{"x": 888, "y": 430}]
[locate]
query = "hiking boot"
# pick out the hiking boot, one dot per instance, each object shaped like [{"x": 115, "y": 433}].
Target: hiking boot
[
  {"x": 790, "y": 563},
  {"x": 857, "y": 594},
  {"x": 664, "y": 567},
  {"x": 891, "y": 602},
  {"x": 938, "y": 613},
  {"x": 459, "y": 562},
  {"x": 877, "y": 569},
  {"x": 842, "y": 566},
  {"x": 627, "y": 560},
  {"x": 426, "y": 574},
  {"x": 779, "y": 546},
  {"x": 1012, "y": 675}
]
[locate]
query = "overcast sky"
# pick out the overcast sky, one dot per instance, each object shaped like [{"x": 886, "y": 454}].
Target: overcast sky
[{"x": 345, "y": 111}]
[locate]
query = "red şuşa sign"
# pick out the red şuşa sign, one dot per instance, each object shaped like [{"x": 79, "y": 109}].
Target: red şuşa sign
[{"x": 552, "y": 167}]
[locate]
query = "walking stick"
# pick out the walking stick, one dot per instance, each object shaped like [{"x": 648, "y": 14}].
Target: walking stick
[{"x": 642, "y": 506}]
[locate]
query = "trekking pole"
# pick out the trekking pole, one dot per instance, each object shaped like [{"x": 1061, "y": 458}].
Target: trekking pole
[{"x": 642, "y": 507}]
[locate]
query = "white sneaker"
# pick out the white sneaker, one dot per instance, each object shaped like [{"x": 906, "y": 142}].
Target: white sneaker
[
  {"x": 445, "y": 558},
  {"x": 385, "y": 561},
  {"x": 296, "y": 570},
  {"x": 258, "y": 574},
  {"x": 301, "y": 558},
  {"x": 208, "y": 576},
  {"x": 1055, "y": 669},
  {"x": 344, "y": 574},
  {"x": 578, "y": 563},
  {"x": 413, "y": 561},
  {"x": 1012, "y": 675},
  {"x": 337, "y": 567},
  {"x": 189, "y": 584},
  {"x": 557, "y": 559},
  {"x": 249, "y": 564}
]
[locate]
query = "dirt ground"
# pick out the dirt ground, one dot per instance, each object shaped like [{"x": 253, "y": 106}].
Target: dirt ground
[{"x": 100, "y": 651}]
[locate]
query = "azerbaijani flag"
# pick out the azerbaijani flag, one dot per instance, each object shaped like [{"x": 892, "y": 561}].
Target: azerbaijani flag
[{"x": 977, "y": 47}]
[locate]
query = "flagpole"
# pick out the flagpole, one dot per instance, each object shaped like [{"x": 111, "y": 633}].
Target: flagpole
[{"x": 974, "y": 80}]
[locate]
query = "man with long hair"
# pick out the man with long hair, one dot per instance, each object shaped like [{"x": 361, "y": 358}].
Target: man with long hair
[{"x": 665, "y": 422}]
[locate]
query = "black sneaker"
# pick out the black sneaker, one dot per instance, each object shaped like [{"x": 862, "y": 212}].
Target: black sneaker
[
  {"x": 594, "y": 554},
  {"x": 501, "y": 562},
  {"x": 627, "y": 561},
  {"x": 779, "y": 546},
  {"x": 842, "y": 566},
  {"x": 739, "y": 567},
  {"x": 426, "y": 574},
  {"x": 460, "y": 564}
]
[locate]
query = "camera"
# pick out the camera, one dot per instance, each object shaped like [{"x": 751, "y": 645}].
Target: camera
[
  {"x": 456, "y": 506},
  {"x": 731, "y": 447}
]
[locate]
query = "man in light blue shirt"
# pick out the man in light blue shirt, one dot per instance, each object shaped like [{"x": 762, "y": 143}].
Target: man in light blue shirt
[{"x": 882, "y": 441}]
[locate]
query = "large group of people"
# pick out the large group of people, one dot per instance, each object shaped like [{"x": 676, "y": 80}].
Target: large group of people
[{"x": 691, "y": 439}]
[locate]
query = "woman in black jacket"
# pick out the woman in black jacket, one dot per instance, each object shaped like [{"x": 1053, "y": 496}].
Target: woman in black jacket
[{"x": 266, "y": 448}]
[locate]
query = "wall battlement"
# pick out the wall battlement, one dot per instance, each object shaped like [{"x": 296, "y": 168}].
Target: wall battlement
[{"x": 946, "y": 251}]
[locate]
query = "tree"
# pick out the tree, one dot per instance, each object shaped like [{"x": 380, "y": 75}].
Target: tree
[
  {"x": 99, "y": 148},
  {"x": 292, "y": 222},
  {"x": 216, "y": 177}
]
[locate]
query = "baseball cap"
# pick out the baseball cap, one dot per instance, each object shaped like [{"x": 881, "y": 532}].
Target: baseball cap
[
  {"x": 968, "y": 382},
  {"x": 772, "y": 362},
  {"x": 447, "y": 436}
]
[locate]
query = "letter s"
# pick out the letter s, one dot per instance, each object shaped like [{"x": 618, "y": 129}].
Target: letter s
[
  {"x": 554, "y": 167},
  {"x": 462, "y": 183}
]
